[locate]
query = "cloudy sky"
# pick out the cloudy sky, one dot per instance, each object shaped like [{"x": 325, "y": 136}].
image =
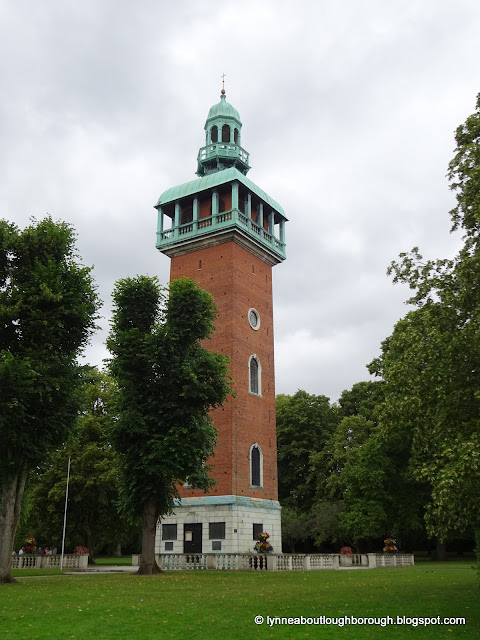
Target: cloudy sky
[{"x": 349, "y": 109}]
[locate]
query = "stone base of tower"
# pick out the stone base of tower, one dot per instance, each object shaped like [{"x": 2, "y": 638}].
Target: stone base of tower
[{"x": 224, "y": 524}]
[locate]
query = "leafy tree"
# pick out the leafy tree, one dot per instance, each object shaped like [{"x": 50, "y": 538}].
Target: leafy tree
[
  {"x": 167, "y": 384},
  {"x": 304, "y": 424},
  {"x": 48, "y": 307},
  {"x": 325, "y": 521},
  {"x": 93, "y": 519},
  {"x": 430, "y": 363},
  {"x": 367, "y": 492},
  {"x": 296, "y": 527},
  {"x": 366, "y": 480},
  {"x": 363, "y": 399}
]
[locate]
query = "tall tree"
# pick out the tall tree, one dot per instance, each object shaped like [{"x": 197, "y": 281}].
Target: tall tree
[
  {"x": 93, "y": 518},
  {"x": 365, "y": 490},
  {"x": 370, "y": 474},
  {"x": 430, "y": 363},
  {"x": 167, "y": 384},
  {"x": 48, "y": 307},
  {"x": 304, "y": 424}
]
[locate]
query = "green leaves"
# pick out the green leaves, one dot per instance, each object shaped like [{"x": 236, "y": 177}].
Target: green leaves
[
  {"x": 464, "y": 176},
  {"x": 168, "y": 382},
  {"x": 48, "y": 307},
  {"x": 304, "y": 424},
  {"x": 430, "y": 363}
]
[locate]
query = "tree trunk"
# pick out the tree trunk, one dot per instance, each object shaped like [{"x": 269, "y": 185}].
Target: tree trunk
[
  {"x": 91, "y": 542},
  {"x": 148, "y": 566},
  {"x": 118, "y": 550},
  {"x": 441, "y": 551},
  {"x": 12, "y": 496}
]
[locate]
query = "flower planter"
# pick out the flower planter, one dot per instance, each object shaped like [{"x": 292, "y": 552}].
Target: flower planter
[{"x": 345, "y": 561}]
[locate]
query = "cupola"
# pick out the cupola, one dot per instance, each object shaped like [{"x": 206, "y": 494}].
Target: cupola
[{"x": 222, "y": 148}]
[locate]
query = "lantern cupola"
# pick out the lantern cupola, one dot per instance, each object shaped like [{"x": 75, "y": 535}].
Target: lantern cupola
[{"x": 222, "y": 148}]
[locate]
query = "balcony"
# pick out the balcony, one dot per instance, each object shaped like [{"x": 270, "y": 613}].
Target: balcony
[
  {"x": 233, "y": 220},
  {"x": 223, "y": 150}
]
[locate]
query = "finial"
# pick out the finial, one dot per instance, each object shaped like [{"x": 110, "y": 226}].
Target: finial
[{"x": 223, "y": 84}]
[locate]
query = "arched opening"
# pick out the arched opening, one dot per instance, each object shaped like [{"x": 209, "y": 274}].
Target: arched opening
[
  {"x": 256, "y": 466},
  {"x": 225, "y": 133},
  {"x": 254, "y": 376},
  {"x": 235, "y": 136},
  {"x": 214, "y": 133}
]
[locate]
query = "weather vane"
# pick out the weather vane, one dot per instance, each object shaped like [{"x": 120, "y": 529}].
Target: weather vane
[{"x": 223, "y": 82}]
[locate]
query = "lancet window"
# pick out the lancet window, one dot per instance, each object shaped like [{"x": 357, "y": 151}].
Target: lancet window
[
  {"x": 256, "y": 466},
  {"x": 254, "y": 371}
]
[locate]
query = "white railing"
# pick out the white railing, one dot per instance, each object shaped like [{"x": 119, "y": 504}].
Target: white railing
[
  {"x": 394, "y": 560},
  {"x": 33, "y": 561},
  {"x": 276, "y": 561},
  {"x": 359, "y": 560},
  {"x": 325, "y": 561}
]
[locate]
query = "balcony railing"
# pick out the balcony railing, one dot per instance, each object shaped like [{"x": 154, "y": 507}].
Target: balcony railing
[
  {"x": 223, "y": 149},
  {"x": 218, "y": 222}
]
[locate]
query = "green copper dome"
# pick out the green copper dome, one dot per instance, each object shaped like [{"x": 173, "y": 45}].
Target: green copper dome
[
  {"x": 223, "y": 110},
  {"x": 222, "y": 148}
]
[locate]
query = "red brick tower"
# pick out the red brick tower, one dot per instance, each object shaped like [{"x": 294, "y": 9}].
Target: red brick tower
[{"x": 222, "y": 235}]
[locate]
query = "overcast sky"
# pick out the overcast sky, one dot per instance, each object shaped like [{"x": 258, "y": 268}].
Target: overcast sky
[{"x": 349, "y": 109}]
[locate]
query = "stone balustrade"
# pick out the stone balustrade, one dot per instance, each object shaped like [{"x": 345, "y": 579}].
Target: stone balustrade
[
  {"x": 33, "y": 561},
  {"x": 275, "y": 561}
]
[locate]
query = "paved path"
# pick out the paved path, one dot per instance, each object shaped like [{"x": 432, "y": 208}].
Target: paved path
[{"x": 98, "y": 568}]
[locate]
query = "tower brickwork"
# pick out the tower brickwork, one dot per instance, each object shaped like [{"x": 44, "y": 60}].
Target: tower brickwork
[{"x": 229, "y": 269}]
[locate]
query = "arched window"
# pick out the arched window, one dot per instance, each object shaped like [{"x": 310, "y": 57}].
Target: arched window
[
  {"x": 235, "y": 136},
  {"x": 254, "y": 376},
  {"x": 225, "y": 133},
  {"x": 256, "y": 466},
  {"x": 214, "y": 133}
]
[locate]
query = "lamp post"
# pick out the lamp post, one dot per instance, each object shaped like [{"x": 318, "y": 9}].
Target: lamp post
[{"x": 65, "y": 515}]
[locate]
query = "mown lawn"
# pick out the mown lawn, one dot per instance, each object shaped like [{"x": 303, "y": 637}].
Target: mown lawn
[{"x": 221, "y": 605}]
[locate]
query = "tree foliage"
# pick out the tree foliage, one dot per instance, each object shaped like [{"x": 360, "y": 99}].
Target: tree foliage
[
  {"x": 167, "y": 384},
  {"x": 93, "y": 517},
  {"x": 430, "y": 363},
  {"x": 363, "y": 399},
  {"x": 48, "y": 307},
  {"x": 342, "y": 478},
  {"x": 370, "y": 472},
  {"x": 304, "y": 424}
]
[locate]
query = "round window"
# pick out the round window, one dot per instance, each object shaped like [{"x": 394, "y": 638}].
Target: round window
[{"x": 254, "y": 319}]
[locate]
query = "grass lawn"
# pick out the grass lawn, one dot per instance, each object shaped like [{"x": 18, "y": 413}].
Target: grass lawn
[{"x": 195, "y": 604}]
